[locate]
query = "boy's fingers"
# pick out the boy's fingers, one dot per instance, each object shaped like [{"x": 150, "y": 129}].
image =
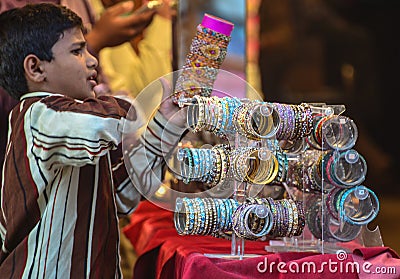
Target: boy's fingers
[{"x": 166, "y": 86}]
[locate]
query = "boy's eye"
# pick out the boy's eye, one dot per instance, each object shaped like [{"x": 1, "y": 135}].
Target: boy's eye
[{"x": 77, "y": 51}]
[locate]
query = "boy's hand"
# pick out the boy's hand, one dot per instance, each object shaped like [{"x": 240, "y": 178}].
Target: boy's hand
[
  {"x": 168, "y": 108},
  {"x": 117, "y": 26}
]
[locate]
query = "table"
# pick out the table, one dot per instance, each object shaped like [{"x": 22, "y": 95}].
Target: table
[{"x": 162, "y": 253}]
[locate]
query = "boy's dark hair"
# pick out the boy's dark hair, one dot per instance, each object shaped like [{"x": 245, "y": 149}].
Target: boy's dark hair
[{"x": 32, "y": 29}]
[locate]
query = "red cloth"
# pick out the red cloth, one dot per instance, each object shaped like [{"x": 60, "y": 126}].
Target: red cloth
[
  {"x": 293, "y": 265},
  {"x": 149, "y": 227},
  {"x": 163, "y": 253},
  {"x": 377, "y": 263}
]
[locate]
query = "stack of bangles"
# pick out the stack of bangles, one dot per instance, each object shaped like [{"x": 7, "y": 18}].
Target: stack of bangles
[
  {"x": 204, "y": 216},
  {"x": 340, "y": 205},
  {"x": 283, "y": 167},
  {"x": 296, "y": 121},
  {"x": 259, "y": 217},
  {"x": 248, "y": 167},
  {"x": 225, "y": 116},
  {"x": 207, "y": 52},
  {"x": 315, "y": 139},
  {"x": 256, "y": 120},
  {"x": 348, "y": 210},
  {"x": 209, "y": 166},
  {"x": 212, "y": 114},
  {"x": 334, "y": 169},
  {"x": 251, "y": 220},
  {"x": 314, "y": 174},
  {"x": 337, "y": 132},
  {"x": 325, "y": 227},
  {"x": 321, "y": 170}
]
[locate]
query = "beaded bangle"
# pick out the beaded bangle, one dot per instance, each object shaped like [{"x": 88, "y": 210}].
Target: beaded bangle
[
  {"x": 216, "y": 204},
  {"x": 202, "y": 164},
  {"x": 234, "y": 103},
  {"x": 233, "y": 204},
  {"x": 191, "y": 217},
  {"x": 275, "y": 222},
  {"x": 295, "y": 213},
  {"x": 199, "y": 124},
  {"x": 280, "y": 158},
  {"x": 178, "y": 214},
  {"x": 290, "y": 219},
  {"x": 209, "y": 213},
  {"x": 202, "y": 216},
  {"x": 313, "y": 218},
  {"x": 286, "y": 217},
  {"x": 196, "y": 219},
  {"x": 236, "y": 224},
  {"x": 221, "y": 129},
  {"x": 217, "y": 167},
  {"x": 257, "y": 224},
  {"x": 301, "y": 218},
  {"x": 291, "y": 122},
  {"x": 266, "y": 224},
  {"x": 224, "y": 166},
  {"x": 239, "y": 119},
  {"x": 282, "y": 116},
  {"x": 196, "y": 164},
  {"x": 186, "y": 166},
  {"x": 227, "y": 208}
]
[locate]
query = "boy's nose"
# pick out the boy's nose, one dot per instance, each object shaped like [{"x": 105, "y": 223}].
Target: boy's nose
[{"x": 92, "y": 61}]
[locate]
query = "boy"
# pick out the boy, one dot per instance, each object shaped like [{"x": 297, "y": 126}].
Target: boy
[
  {"x": 59, "y": 204},
  {"x": 107, "y": 30}
]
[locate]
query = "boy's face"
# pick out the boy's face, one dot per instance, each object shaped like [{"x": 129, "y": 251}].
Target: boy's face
[{"x": 72, "y": 71}]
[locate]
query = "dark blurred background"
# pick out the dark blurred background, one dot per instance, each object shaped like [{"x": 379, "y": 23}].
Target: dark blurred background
[{"x": 342, "y": 52}]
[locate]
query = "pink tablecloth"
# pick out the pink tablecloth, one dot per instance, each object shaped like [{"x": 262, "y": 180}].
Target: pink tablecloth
[{"x": 162, "y": 253}]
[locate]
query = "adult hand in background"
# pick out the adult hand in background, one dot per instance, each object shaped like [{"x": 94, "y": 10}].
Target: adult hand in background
[
  {"x": 117, "y": 25},
  {"x": 168, "y": 9}
]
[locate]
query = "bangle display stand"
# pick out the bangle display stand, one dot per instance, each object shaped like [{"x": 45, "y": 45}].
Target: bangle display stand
[
  {"x": 328, "y": 175},
  {"x": 307, "y": 149},
  {"x": 323, "y": 171}
]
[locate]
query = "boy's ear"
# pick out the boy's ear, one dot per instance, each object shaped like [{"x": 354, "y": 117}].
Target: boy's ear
[{"x": 34, "y": 68}]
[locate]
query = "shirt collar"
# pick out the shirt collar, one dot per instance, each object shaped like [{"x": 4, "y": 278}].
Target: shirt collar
[{"x": 37, "y": 94}]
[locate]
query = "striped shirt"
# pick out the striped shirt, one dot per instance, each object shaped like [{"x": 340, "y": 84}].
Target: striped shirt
[{"x": 65, "y": 184}]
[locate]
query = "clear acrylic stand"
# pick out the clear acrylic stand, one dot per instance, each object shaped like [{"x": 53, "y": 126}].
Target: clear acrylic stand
[
  {"x": 340, "y": 180},
  {"x": 338, "y": 206}
]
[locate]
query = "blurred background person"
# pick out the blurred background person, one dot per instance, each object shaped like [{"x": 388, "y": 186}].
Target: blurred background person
[{"x": 131, "y": 66}]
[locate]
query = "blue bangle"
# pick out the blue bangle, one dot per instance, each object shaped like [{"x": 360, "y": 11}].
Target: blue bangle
[
  {"x": 355, "y": 180},
  {"x": 201, "y": 214},
  {"x": 359, "y": 221},
  {"x": 195, "y": 175}
]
